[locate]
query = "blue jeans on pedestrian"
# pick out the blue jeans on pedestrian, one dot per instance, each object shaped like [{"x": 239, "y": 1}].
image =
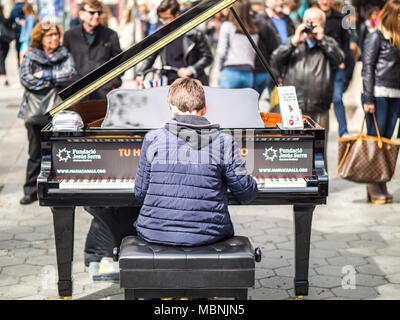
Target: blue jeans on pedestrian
[
  {"x": 387, "y": 111},
  {"x": 235, "y": 78},
  {"x": 338, "y": 101},
  {"x": 261, "y": 81}
]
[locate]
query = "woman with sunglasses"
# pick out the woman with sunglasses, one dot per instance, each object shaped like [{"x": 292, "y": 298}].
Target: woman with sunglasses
[
  {"x": 46, "y": 67},
  {"x": 381, "y": 84}
]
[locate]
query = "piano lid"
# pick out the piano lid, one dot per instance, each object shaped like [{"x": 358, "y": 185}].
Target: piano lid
[
  {"x": 138, "y": 52},
  {"x": 148, "y": 108}
]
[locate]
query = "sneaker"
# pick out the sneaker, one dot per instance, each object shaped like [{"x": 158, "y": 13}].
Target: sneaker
[
  {"x": 345, "y": 135},
  {"x": 105, "y": 270}
]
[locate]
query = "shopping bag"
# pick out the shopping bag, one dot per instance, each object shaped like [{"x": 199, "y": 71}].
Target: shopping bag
[{"x": 367, "y": 159}]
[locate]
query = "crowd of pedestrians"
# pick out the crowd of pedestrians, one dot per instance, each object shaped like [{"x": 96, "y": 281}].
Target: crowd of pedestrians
[{"x": 305, "y": 43}]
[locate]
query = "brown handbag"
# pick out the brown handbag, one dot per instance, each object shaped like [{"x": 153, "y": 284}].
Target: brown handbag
[{"x": 367, "y": 159}]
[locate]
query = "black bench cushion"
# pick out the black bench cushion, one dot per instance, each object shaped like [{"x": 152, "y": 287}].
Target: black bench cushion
[{"x": 226, "y": 264}]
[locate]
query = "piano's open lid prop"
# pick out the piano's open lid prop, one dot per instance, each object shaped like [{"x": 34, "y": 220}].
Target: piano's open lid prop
[{"x": 140, "y": 51}]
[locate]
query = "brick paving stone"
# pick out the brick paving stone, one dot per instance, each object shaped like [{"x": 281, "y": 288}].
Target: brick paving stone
[
  {"x": 359, "y": 293},
  {"x": 6, "y": 236},
  {"x": 14, "y": 244},
  {"x": 316, "y": 293},
  {"x": 289, "y": 271},
  {"x": 8, "y": 280},
  {"x": 43, "y": 260},
  {"x": 369, "y": 280},
  {"x": 267, "y": 294},
  {"x": 330, "y": 270},
  {"x": 18, "y": 290},
  {"x": 325, "y": 281},
  {"x": 21, "y": 269},
  {"x": 393, "y": 278},
  {"x": 26, "y": 252},
  {"x": 323, "y": 253},
  {"x": 347, "y": 260},
  {"x": 10, "y": 261},
  {"x": 370, "y": 269},
  {"x": 33, "y": 236},
  {"x": 328, "y": 244},
  {"x": 385, "y": 260},
  {"x": 367, "y": 244},
  {"x": 261, "y": 273},
  {"x": 389, "y": 251},
  {"x": 273, "y": 263},
  {"x": 277, "y": 282},
  {"x": 272, "y": 238},
  {"x": 285, "y": 245},
  {"x": 389, "y": 291},
  {"x": 341, "y": 237}
]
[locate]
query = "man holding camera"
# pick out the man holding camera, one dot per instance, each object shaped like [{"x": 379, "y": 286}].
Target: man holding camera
[{"x": 308, "y": 60}]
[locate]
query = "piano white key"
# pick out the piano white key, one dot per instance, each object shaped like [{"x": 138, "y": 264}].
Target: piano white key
[
  {"x": 280, "y": 182},
  {"x": 97, "y": 183}
]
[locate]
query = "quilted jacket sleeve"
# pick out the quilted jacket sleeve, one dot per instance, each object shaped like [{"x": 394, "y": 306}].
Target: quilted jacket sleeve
[
  {"x": 143, "y": 173},
  {"x": 242, "y": 185}
]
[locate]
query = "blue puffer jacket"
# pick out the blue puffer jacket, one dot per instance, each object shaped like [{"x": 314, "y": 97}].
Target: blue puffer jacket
[{"x": 184, "y": 171}]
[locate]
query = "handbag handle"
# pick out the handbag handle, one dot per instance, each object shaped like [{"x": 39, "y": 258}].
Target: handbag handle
[{"x": 359, "y": 140}]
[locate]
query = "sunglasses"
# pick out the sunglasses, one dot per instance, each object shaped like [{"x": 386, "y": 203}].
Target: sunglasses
[{"x": 92, "y": 13}]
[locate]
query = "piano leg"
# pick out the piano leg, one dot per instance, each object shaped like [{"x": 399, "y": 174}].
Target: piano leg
[
  {"x": 64, "y": 221},
  {"x": 302, "y": 227}
]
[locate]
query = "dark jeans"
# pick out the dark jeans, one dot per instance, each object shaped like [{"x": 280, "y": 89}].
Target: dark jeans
[
  {"x": 4, "y": 47},
  {"x": 33, "y": 166},
  {"x": 109, "y": 226},
  {"x": 338, "y": 105},
  {"x": 387, "y": 111}
]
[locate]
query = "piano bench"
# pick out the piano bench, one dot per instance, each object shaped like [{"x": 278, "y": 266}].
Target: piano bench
[{"x": 223, "y": 269}]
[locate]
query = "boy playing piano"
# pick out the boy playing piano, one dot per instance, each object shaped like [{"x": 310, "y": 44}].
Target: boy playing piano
[{"x": 184, "y": 171}]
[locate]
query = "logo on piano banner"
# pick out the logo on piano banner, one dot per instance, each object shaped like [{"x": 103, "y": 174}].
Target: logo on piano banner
[
  {"x": 270, "y": 154},
  {"x": 63, "y": 155}
]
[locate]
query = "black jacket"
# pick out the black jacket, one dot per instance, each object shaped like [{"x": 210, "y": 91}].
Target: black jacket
[
  {"x": 311, "y": 71},
  {"x": 289, "y": 26},
  {"x": 335, "y": 30},
  {"x": 89, "y": 57},
  {"x": 267, "y": 42},
  {"x": 197, "y": 55},
  {"x": 381, "y": 65}
]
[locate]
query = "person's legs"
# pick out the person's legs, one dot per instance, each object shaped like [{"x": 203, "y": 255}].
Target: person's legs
[
  {"x": 231, "y": 78},
  {"x": 18, "y": 48},
  {"x": 260, "y": 82},
  {"x": 109, "y": 226},
  {"x": 381, "y": 115},
  {"x": 338, "y": 102},
  {"x": 33, "y": 165},
  {"x": 392, "y": 117},
  {"x": 4, "y": 47}
]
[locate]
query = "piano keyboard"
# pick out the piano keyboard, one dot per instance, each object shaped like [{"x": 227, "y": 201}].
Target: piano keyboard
[
  {"x": 275, "y": 182},
  {"x": 111, "y": 183}
]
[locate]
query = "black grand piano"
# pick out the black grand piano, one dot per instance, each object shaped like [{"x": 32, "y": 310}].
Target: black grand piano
[{"x": 96, "y": 166}]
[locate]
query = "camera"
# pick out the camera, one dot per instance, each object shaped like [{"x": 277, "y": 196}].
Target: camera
[{"x": 309, "y": 28}]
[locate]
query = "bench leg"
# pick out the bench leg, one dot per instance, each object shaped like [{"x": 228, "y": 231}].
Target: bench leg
[
  {"x": 130, "y": 294},
  {"x": 241, "y": 295}
]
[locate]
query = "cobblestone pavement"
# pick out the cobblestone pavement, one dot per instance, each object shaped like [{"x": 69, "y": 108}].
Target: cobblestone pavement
[{"x": 348, "y": 235}]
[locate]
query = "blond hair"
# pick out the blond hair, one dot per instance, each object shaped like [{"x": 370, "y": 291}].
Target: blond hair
[
  {"x": 390, "y": 21},
  {"x": 187, "y": 94}
]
